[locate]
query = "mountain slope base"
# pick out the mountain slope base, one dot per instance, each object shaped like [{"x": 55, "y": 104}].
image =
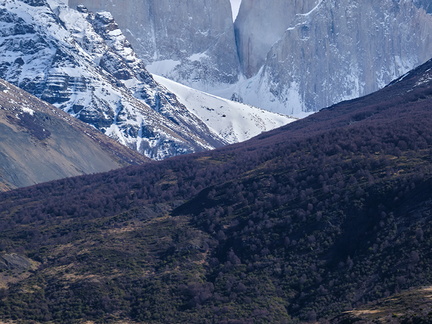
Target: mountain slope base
[{"x": 299, "y": 224}]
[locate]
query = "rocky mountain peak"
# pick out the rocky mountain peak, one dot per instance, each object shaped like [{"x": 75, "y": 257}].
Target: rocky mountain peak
[
  {"x": 290, "y": 57},
  {"x": 82, "y": 63}
]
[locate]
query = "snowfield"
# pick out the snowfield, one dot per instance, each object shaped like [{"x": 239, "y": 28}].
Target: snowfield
[{"x": 231, "y": 120}]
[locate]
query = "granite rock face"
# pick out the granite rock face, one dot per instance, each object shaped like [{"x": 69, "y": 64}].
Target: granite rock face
[
  {"x": 330, "y": 50},
  {"x": 187, "y": 41},
  {"x": 259, "y": 25},
  {"x": 287, "y": 56}
]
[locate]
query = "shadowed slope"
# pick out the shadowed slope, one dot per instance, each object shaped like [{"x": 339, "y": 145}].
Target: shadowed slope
[{"x": 300, "y": 223}]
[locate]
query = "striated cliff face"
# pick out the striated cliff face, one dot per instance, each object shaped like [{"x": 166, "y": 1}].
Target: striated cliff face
[
  {"x": 190, "y": 41},
  {"x": 287, "y": 56},
  {"x": 330, "y": 50}
]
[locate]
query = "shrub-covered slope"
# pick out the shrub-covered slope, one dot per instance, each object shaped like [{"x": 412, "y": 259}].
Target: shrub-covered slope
[{"x": 301, "y": 223}]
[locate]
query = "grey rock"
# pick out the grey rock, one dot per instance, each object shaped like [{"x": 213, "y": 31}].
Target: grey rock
[
  {"x": 333, "y": 50},
  {"x": 260, "y": 24},
  {"x": 39, "y": 143},
  {"x": 196, "y": 34},
  {"x": 35, "y": 3},
  {"x": 14, "y": 261},
  {"x": 425, "y": 4}
]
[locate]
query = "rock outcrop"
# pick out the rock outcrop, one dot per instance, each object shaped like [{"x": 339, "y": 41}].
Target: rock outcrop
[
  {"x": 14, "y": 261},
  {"x": 425, "y": 4}
]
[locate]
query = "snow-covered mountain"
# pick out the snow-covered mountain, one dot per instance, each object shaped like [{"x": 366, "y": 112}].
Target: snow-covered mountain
[
  {"x": 233, "y": 121},
  {"x": 292, "y": 56},
  {"x": 188, "y": 40},
  {"x": 82, "y": 63}
]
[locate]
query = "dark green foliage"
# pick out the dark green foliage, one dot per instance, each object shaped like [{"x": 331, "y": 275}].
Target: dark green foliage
[{"x": 298, "y": 224}]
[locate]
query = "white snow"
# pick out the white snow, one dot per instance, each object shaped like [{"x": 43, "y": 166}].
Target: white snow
[
  {"x": 426, "y": 78},
  {"x": 256, "y": 92},
  {"x": 233, "y": 121},
  {"x": 235, "y": 6},
  {"x": 28, "y": 110},
  {"x": 198, "y": 57},
  {"x": 312, "y": 10}
]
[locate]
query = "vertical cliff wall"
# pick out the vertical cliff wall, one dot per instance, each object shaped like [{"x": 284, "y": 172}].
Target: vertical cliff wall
[
  {"x": 330, "y": 50},
  {"x": 259, "y": 25}
]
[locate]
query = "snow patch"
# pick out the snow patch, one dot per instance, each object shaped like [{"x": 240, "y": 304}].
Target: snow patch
[
  {"x": 312, "y": 10},
  {"x": 198, "y": 57},
  {"x": 235, "y": 7},
  {"x": 28, "y": 110}
]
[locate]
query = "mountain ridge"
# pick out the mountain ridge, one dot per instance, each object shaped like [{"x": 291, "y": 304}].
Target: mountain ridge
[{"x": 81, "y": 62}]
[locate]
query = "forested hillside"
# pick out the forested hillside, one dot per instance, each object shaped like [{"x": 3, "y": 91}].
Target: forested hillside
[{"x": 298, "y": 224}]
